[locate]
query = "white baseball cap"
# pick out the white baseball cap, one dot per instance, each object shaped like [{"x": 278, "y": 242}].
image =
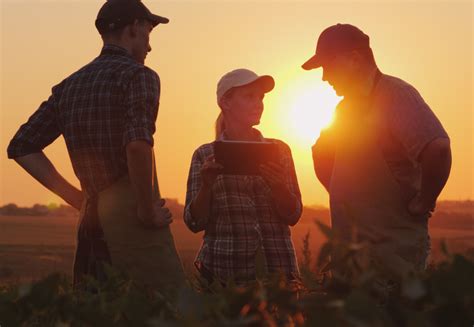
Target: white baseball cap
[{"x": 241, "y": 77}]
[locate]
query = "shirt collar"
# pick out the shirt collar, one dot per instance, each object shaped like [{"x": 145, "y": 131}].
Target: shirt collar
[
  {"x": 369, "y": 82},
  {"x": 258, "y": 136},
  {"x": 368, "y": 89},
  {"x": 114, "y": 50}
]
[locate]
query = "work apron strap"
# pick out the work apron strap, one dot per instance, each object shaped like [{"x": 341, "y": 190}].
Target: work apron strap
[{"x": 92, "y": 251}]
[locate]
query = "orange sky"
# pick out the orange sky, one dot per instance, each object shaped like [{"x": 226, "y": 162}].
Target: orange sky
[{"x": 427, "y": 44}]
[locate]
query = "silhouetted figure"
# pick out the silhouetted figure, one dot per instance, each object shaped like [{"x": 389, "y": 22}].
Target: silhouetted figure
[
  {"x": 385, "y": 159},
  {"x": 245, "y": 218},
  {"x": 106, "y": 112}
]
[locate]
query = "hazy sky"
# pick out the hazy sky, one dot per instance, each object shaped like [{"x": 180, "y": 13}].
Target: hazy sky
[{"x": 428, "y": 44}]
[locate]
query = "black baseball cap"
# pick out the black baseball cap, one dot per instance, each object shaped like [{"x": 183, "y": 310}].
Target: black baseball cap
[
  {"x": 335, "y": 40},
  {"x": 115, "y": 14}
]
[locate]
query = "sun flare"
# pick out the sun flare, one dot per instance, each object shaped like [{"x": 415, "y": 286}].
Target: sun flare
[
  {"x": 303, "y": 106},
  {"x": 310, "y": 112}
]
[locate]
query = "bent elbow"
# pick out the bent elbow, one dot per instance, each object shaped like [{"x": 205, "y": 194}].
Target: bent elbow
[
  {"x": 442, "y": 148},
  {"x": 194, "y": 227},
  {"x": 293, "y": 221},
  {"x": 137, "y": 146},
  {"x": 439, "y": 149}
]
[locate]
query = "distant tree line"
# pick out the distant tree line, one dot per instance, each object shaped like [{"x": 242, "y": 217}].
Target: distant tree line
[
  {"x": 53, "y": 209},
  {"x": 12, "y": 209},
  {"x": 448, "y": 214}
]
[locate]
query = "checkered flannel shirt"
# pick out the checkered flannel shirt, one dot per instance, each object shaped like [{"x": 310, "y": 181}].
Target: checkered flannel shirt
[
  {"x": 243, "y": 221},
  {"x": 99, "y": 109}
]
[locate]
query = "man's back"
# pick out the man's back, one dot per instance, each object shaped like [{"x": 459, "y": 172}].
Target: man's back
[
  {"x": 106, "y": 112},
  {"x": 98, "y": 109}
]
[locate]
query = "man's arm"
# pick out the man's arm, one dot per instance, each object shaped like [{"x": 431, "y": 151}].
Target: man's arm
[
  {"x": 150, "y": 212},
  {"x": 141, "y": 102},
  {"x": 323, "y": 158},
  {"x": 26, "y": 148},
  {"x": 39, "y": 166},
  {"x": 140, "y": 171},
  {"x": 435, "y": 161},
  {"x": 324, "y": 149},
  {"x": 420, "y": 132}
]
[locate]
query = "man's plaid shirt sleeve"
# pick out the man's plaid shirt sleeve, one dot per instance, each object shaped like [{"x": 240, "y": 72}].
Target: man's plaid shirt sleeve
[
  {"x": 142, "y": 101},
  {"x": 39, "y": 131}
]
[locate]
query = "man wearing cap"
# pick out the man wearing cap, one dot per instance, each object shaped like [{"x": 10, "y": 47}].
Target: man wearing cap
[
  {"x": 386, "y": 157},
  {"x": 106, "y": 112}
]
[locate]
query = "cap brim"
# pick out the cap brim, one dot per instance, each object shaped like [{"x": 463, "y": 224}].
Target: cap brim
[
  {"x": 266, "y": 82},
  {"x": 155, "y": 19},
  {"x": 312, "y": 63}
]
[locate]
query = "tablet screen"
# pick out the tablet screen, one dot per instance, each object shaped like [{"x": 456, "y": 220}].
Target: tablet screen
[{"x": 244, "y": 158}]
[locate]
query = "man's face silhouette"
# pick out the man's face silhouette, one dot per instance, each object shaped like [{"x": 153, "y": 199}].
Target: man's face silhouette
[
  {"x": 141, "y": 42},
  {"x": 340, "y": 72}
]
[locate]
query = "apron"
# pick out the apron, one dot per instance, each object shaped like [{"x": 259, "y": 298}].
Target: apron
[
  {"x": 109, "y": 233},
  {"x": 365, "y": 197}
]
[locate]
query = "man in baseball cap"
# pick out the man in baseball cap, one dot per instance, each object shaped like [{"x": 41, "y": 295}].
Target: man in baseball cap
[
  {"x": 335, "y": 40},
  {"x": 385, "y": 158},
  {"x": 106, "y": 112},
  {"x": 116, "y": 14},
  {"x": 128, "y": 23},
  {"x": 334, "y": 48}
]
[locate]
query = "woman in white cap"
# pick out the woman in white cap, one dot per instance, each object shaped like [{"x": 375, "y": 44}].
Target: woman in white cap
[{"x": 246, "y": 218}]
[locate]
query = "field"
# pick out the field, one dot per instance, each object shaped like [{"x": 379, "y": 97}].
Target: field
[{"x": 32, "y": 247}]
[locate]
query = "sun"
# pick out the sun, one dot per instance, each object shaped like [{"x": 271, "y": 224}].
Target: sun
[
  {"x": 311, "y": 111},
  {"x": 303, "y": 106}
]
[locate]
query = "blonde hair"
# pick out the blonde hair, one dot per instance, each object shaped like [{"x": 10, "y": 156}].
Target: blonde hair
[
  {"x": 220, "y": 122},
  {"x": 220, "y": 125}
]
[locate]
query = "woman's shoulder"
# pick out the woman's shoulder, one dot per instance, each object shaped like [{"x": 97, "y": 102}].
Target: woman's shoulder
[
  {"x": 281, "y": 144},
  {"x": 204, "y": 150},
  {"x": 284, "y": 149}
]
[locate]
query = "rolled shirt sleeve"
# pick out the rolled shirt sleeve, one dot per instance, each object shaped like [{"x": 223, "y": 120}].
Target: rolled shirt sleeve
[
  {"x": 324, "y": 149},
  {"x": 412, "y": 121},
  {"x": 323, "y": 154},
  {"x": 38, "y": 132},
  {"x": 141, "y": 103}
]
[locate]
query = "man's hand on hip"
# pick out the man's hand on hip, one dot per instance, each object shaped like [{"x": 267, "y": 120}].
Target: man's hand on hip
[
  {"x": 419, "y": 206},
  {"x": 158, "y": 218}
]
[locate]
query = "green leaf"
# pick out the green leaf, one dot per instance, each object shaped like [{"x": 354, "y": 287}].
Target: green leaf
[
  {"x": 325, "y": 229},
  {"x": 324, "y": 253}
]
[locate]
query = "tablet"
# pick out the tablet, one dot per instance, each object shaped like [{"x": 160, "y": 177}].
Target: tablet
[{"x": 244, "y": 158}]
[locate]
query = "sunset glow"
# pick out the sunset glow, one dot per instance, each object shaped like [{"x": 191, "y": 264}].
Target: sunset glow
[
  {"x": 301, "y": 108},
  {"x": 268, "y": 37},
  {"x": 311, "y": 110}
]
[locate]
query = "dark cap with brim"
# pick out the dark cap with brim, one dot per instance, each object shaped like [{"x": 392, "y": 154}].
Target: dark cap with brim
[
  {"x": 115, "y": 14},
  {"x": 335, "y": 40},
  {"x": 312, "y": 63}
]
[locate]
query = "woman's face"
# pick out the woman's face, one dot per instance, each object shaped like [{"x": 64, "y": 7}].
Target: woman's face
[{"x": 244, "y": 105}]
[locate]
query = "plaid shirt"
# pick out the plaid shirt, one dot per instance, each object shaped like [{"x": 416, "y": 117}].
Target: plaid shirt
[
  {"x": 243, "y": 222},
  {"x": 99, "y": 109}
]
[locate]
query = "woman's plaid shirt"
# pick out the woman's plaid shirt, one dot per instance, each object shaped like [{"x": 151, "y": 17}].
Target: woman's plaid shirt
[
  {"x": 243, "y": 222},
  {"x": 99, "y": 109}
]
